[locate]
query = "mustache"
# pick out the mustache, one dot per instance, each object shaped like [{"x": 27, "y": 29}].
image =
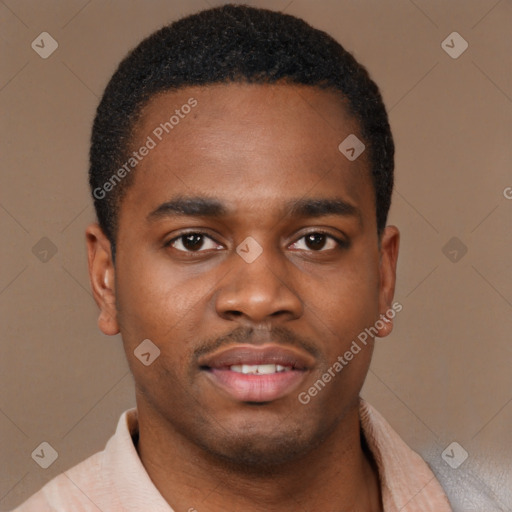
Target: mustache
[{"x": 251, "y": 336}]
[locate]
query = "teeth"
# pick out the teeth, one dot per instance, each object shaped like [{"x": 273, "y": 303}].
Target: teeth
[{"x": 259, "y": 369}]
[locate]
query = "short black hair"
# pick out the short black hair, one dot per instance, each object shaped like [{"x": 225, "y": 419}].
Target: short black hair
[{"x": 232, "y": 43}]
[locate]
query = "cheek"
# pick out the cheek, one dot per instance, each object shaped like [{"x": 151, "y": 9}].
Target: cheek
[
  {"x": 346, "y": 299},
  {"x": 158, "y": 301},
  {"x": 153, "y": 305}
]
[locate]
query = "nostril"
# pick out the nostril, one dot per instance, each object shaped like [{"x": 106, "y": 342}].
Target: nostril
[{"x": 234, "y": 313}]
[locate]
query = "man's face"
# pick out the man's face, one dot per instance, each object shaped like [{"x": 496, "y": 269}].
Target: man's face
[{"x": 210, "y": 307}]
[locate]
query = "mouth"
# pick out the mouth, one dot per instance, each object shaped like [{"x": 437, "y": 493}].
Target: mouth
[{"x": 257, "y": 374}]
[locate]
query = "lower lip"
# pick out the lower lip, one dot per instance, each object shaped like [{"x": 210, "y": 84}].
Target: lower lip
[{"x": 256, "y": 388}]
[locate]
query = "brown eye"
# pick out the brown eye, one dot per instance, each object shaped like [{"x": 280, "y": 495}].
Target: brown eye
[
  {"x": 315, "y": 241},
  {"x": 318, "y": 241},
  {"x": 192, "y": 242}
]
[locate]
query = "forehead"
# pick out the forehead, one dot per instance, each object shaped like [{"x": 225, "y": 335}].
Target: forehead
[{"x": 247, "y": 143}]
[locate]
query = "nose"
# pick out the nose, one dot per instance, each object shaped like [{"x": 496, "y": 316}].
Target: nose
[{"x": 258, "y": 292}]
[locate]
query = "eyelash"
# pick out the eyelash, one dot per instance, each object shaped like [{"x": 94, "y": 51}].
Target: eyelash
[{"x": 342, "y": 244}]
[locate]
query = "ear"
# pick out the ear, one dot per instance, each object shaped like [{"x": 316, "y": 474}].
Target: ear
[
  {"x": 102, "y": 277},
  {"x": 390, "y": 241}
]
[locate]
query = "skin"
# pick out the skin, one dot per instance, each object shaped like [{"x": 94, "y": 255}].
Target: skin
[{"x": 254, "y": 148}]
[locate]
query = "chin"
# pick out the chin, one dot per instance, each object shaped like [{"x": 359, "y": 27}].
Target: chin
[
  {"x": 255, "y": 455},
  {"x": 251, "y": 452}
]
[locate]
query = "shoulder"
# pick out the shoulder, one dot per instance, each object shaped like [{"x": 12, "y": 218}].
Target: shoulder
[
  {"x": 89, "y": 486},
  {"x": 67, "y": 491},
  {"x": 407, "y": 482}
]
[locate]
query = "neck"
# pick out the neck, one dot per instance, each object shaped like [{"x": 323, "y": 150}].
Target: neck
[{"x": 337, "y": 475}]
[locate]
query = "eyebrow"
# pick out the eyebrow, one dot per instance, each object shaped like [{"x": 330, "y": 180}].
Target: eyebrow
[
  {"x": 211, "y": 207},
  {"x": 189, "y": 206},
  {"x": 320, "y": 207}
]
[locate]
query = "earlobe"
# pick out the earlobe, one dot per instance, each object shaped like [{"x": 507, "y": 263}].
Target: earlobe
[
  {"x": 384, "y": 325},
  {"x": 102, "y": 278},
  {"x": 390, "y": 241}
]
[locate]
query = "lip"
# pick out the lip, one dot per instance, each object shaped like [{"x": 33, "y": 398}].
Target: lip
[
  {"x": 265, "y": 354},
  {"x": 257, "y": 388}
]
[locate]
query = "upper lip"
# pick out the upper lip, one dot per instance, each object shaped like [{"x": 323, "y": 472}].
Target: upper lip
[{"x": 252, "y": 355}]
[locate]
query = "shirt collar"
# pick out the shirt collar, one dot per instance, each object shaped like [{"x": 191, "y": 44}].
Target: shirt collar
[{"x": 407, "y": 483}]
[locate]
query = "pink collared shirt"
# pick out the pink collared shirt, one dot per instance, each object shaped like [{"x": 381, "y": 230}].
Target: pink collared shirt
[{"x": 115, "y": 480}]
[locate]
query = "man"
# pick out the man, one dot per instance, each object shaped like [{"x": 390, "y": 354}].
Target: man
[{"x": 242, "y": 170}]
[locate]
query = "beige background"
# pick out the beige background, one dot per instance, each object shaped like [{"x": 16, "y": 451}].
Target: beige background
[{"x": 444, "y": 374}]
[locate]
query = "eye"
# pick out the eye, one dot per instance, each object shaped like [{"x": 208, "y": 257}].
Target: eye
[
  {"x": 193, "y": 242},
  {"x": 318, "y": 241}
]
